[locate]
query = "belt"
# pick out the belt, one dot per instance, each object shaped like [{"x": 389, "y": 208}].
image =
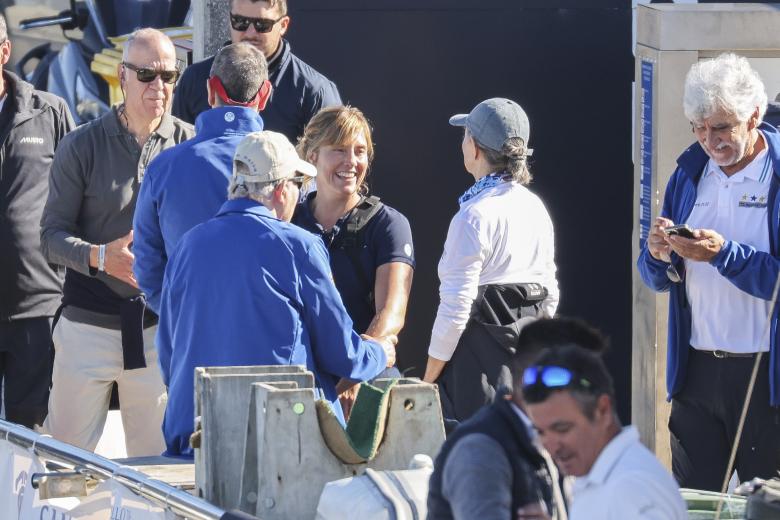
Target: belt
[{"x": 722, "y": 354}]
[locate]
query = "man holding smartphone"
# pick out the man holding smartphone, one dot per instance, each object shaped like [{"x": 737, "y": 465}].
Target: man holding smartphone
[{"x": 721, "y": 278}]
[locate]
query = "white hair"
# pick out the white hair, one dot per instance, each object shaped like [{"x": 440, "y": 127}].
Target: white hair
[
  {"x": 238, "y": 188},
  {"x": 726, "y": 83}
]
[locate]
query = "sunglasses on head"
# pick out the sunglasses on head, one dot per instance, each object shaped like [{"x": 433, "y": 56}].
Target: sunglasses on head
[
  {"x": 552, "y": 377},
  {"x": 262, "y": 25},
  {"x": 149, "y": 75}
]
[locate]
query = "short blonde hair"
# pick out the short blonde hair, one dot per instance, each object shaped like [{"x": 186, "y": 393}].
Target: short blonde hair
[{"x": 333, "y": 126}]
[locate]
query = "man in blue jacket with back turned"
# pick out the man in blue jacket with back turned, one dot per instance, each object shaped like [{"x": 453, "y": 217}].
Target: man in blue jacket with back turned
[
  {"x": 721, "y": 278},
  {"x": 249, "y": 288},
  {"x": 187, "y": 184}
]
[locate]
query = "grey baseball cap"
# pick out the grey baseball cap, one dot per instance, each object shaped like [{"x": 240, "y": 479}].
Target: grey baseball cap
[{"x": 494, "y": 121}]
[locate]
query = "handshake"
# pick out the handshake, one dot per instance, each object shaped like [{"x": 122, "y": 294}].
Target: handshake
[{"x": 388, "y": 344}]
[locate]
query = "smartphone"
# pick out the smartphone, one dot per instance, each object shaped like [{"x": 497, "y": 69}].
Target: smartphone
[{"x": 681, "y": 230}]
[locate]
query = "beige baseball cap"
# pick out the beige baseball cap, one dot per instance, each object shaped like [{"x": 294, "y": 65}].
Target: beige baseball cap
[{"x": 269, "y": 156}]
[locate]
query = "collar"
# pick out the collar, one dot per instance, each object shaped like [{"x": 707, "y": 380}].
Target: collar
[
  {"x": 20, "y": 91},
  {"x": 228, "y": 119},
  {"x": 113, "y": 126},
  {"x": 245, "y": 205},
  {"x": 694, "y": 159},
  {"x": 755, "y": 169},
  {"x": 610, "y": 456},
  {"x": 524, "y": 418},
  {"x": 488, "y": 181},
  {"x": 305, "y": 211},
  {"x": 278, "y": 62},
  {"x": 279, "y": 56}
]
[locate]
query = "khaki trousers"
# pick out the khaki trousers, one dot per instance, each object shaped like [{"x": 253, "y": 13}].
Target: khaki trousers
[{"x": 87, "y": 360}]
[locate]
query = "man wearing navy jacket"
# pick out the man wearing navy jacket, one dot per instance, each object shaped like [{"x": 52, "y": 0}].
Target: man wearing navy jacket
[
  {"x": 299, "y": 91},
  {"x": 721, "y": 278}
]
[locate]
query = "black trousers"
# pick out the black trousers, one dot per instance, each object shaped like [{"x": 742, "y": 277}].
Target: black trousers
[
  {"x": 705, "y": 416},
  {"x": 26, "y": 354}
]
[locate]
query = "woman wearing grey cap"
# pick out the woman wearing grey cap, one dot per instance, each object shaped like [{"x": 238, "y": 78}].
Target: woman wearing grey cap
[{"x": 497, "y": 271}]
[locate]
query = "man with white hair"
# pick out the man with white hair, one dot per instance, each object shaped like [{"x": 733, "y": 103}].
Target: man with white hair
[
  {"x": 103, "y": 334},
  {"x": 249, "y": 288},
  {"x": 721, "y": 271}
]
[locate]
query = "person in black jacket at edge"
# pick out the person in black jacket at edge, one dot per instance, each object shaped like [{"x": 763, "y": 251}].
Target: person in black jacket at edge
[
  {"x": 32, "y": 123},
  {"x": 299, "y": 91},
  {"x": 493, "y": 465}
]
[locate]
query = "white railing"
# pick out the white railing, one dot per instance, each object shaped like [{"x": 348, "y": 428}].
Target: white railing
[{"x": 101, "y": 469}]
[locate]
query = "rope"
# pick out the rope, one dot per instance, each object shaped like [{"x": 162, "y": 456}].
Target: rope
[{"x": 746, "y": 404}]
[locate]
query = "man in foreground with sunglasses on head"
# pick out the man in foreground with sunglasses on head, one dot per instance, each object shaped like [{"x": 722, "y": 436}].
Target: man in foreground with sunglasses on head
[
  {"x": 570, "y": 399},
  {"x": 238, "y": 88},
  {"x": 492, "y": 465},
  {"x": 104, "y": 334},
  {"x": 299, "y": 91},
  {"x": 249, "y": 288}
]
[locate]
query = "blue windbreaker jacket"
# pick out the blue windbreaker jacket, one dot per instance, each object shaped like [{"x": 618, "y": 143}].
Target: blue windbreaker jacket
[
  {"x": 752, "y": 271},
  {"x": 183, "y": 187},
  {"x": 247, "y": 289}
]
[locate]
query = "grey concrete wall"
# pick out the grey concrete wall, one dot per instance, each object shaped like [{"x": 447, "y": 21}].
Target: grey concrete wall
[{"x": 210, "y": 24}]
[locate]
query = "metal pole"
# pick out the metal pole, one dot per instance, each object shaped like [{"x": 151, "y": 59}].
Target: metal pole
[{"x": 100, "y": 468}]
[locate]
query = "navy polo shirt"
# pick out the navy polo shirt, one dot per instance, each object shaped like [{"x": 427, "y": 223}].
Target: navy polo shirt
[{"x": 387, "y": 238}]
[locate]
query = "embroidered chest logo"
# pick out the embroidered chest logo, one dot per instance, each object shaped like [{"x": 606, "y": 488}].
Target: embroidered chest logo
[
  {"x": 753, "y": 201},
  {"x": 31, "y": 140}
]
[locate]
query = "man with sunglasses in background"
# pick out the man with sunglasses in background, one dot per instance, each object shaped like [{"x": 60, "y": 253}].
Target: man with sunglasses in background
[
  {"x": 249, "y": 288},
  {"x": 492, "y": 465},
  {"x": 299, "y": 91},
  {"x": 104, "y": 334},
  {"x": 238, "y": 88},
  {"x": 570, "y": 399},
  {"x": 32, "y": 125}
]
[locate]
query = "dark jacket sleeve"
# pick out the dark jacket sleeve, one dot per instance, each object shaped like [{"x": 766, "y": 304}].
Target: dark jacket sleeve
[
  {"x": 59, "y": 242},
  {"x": 477, "y": 479}
]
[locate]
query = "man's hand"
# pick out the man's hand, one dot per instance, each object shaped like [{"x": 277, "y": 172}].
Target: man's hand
[
  {"x": 702, "y": 248},
  {"x": 433, "y": 369},
  {"x": 388, "y": 345},
  {"x": 657, "y": 243},
  {"x": 347, "y": 399},
  {"x": 119, "y": 260}
]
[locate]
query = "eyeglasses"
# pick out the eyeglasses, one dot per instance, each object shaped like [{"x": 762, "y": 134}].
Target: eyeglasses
[
  {"x": 262, "y": 25},
  {"x": 149, "y": 75},
  {"x": 298, "y": 181},
  {"x": 552, "y": 377},
  {"x": 721, "y": 130}
]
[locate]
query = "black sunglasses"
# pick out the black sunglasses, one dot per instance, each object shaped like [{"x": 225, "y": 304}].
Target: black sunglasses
[
  {"x": 262, "y": 25},
  {"x": 149, "y": 75}
]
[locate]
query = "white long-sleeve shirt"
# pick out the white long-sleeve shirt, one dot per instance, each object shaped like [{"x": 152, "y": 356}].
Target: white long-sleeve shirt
[{"x": 502, "y": 235}]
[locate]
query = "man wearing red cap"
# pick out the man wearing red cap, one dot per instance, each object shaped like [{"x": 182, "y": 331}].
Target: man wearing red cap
[{"x": 187, "y": 184}]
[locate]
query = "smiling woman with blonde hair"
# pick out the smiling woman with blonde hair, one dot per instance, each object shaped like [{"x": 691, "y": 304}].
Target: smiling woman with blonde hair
[{"x": 370, "y": 243}]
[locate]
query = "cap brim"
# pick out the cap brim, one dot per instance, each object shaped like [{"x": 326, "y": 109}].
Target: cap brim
[
  {"x": 459, "y": 119},
  {"x": 306, "y": 168}
]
